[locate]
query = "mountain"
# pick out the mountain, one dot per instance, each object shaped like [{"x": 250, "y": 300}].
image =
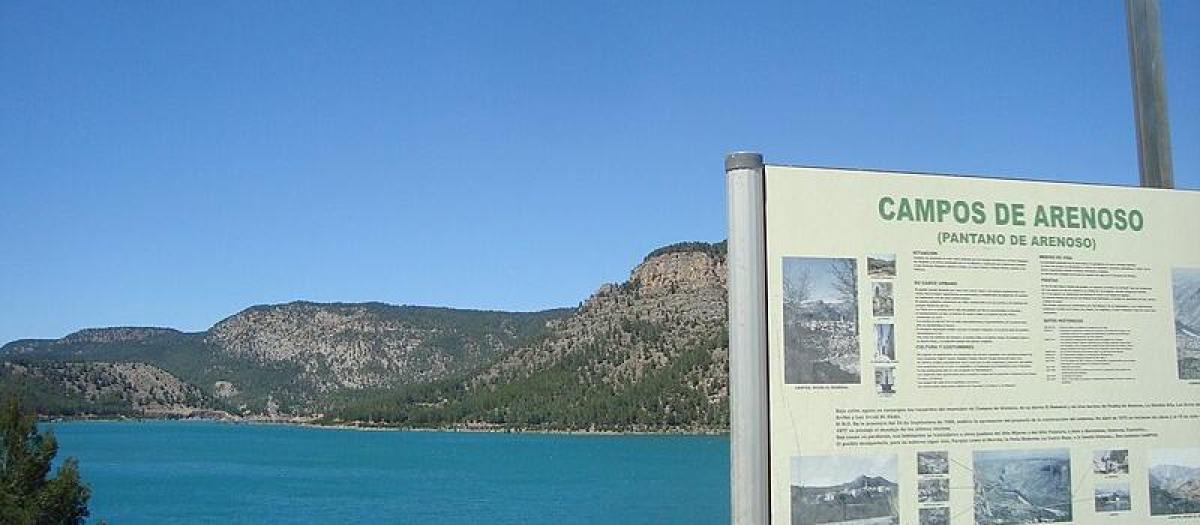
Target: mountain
[
  {"x": 355, "y": 346},
  {"x": 272, "y": 359},
  {"x": 647, "y": 353}
]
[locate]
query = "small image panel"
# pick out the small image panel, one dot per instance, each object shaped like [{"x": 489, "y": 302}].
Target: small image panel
[
  {"x": 881, "y": 299},
  {"x": 934, "y": 516},
  {"x": 1112, "y": 497},
  {"x": 1110, "y": 462},
  {"x": 933, "y": 490},
  {"x": 820, "y": 321},
  {"x": 881, "y": 265},
  {"x": 933, "y": 463}
]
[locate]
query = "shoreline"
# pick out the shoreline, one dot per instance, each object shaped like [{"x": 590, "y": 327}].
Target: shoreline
[{"x": 385, "y": 428}]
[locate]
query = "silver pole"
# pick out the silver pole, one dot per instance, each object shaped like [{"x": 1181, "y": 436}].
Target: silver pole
[
  {"x": 749, "y": 478},
  {"x": 1149, "y": 94}
]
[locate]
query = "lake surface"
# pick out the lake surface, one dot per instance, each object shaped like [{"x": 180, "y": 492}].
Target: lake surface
[{"x": 208, "y": 472}]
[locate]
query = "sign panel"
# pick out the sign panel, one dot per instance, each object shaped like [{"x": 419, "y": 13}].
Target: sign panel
[{"x": 963, "y": 350}]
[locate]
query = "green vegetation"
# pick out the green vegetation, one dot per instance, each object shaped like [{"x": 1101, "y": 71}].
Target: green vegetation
[
  {"x": 292, "y": 386},
  {"x": 27, "y": 496},
  {"x": 47, "y": 393},
  {"x": 635, "y": 357},
  {"x": 715, "y": 249},
  {"x": 570, "y": 394}
]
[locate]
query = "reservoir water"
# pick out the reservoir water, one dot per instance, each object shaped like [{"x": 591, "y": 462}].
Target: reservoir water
[{"x": 157, "y": 472}]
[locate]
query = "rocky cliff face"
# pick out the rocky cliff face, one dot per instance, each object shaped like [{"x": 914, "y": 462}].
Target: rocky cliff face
[
  {"x": 671, "y": 303},
  {"x": 647, "y": 353}
]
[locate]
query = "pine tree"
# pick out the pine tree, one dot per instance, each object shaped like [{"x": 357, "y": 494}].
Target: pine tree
[{"x": 27, "y": 497}]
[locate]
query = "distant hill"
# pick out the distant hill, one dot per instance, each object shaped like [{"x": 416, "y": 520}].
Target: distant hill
[
  {"x": 271, "y": 359},
  {"x": 648, "y": 353}
]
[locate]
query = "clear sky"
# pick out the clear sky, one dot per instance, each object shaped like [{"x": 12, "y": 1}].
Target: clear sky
[{"x": 170, "y": 163}]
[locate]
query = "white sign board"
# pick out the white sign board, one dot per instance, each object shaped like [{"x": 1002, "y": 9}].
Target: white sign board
[{"x": 964, "y": 350}]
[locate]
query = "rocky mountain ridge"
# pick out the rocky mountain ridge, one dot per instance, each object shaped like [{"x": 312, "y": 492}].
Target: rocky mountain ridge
[
  {"x": 286, "y": 358},
  {"x": 355, "y": 346},
  {"x": 647, "y": 352},
  {"x": 650, "y": 352}
]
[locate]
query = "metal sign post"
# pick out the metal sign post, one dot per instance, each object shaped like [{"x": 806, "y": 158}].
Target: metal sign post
[
  {"x": 1149, "y": 94},
  {"x": 749, "y": 447}
]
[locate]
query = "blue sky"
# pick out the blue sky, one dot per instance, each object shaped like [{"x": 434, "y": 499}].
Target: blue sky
[{"x": 173, "y": 163}]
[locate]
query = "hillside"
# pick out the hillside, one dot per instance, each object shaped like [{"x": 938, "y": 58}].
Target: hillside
[
  {"x": 649, "y": 353},
  {"x": 106, "y": 389},
  {"x": 279, "y": 359}
]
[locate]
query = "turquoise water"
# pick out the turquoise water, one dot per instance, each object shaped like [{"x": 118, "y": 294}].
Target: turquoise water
[{"x": 206, "y": 472}]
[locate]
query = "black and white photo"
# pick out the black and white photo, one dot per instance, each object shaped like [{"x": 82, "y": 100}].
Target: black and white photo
[
  {"x": 933, "y": 490},
  {"x": 859, "y": 490},
  {"x": 1174, "y": 481},
  {"x": 1022, "y": 486},
  {"x": 885, "y": 380},
  {"x": 881, "y": 299},
  {"x": 820, "y": 315},
  {"x": 1112, "y": 497},
  {"x": 881, "y": 265},
  {"x": 933, "y": 463},
  {"x": 1185, "y": 290},
  {"x": 934, "y": 516},
  {"x": 885, "y": 343},
  {"x": 1110, "y": 461}
]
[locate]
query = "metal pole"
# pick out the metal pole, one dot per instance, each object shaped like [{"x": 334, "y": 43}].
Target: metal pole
[
  {"x": 1149, "y": 94},
  {"x": 749, "y": 468}
]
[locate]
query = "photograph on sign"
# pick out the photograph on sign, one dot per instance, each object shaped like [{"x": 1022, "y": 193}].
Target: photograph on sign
[
  {"x": 881, "y": 265},
  {"x": 1022, "y": 486},
  {"x": 1112, "y": 497},
  {"x": 1185, "y": 285},
  {"x": 933, "y": 463},
  {"x": 885, "y": 342},
  {"x": 1175, "y": 481},
  {"x": 881, "y": 299},
  {"x": 1110, "y": 462},
  {"x": 844, "y": 489},
  {"x": 821, "y": 307},
  {"x": 934, "y": 516}
]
